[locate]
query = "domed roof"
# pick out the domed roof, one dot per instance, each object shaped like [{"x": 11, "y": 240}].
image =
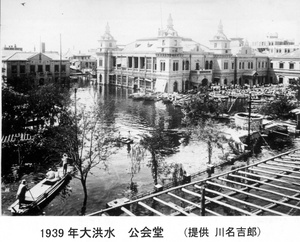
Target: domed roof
[
  {"x": 220, "y": 35},
  {"x": 169, "y": 31},
  {"x": 107, "y": 35}
]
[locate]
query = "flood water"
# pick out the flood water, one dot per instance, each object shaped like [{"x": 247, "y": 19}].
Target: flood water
[{"x": 114, "y": 180}]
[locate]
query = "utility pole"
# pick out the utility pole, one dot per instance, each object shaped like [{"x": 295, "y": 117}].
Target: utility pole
[
  {"x": 249, "y": 123},
  {"x": 60, "y": 59}
]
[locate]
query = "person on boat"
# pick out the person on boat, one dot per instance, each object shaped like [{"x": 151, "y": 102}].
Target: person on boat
[
  {"x": 65, "y": 163},
  {"x": 21, "y": 193},
  {"x": 50, "y": 174}
]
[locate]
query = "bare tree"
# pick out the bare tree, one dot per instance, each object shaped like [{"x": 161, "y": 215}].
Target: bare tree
[{"x": 94, "y": 142}]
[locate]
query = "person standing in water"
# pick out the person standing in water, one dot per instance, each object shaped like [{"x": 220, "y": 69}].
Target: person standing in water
[{"x": 21, "y": 193}]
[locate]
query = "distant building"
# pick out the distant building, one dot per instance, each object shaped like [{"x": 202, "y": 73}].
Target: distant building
[
  {"x": 36, "y": 68},
  {"x": 10, "y": 47},
  {"x": 82, "y": 62},
  {"x": 285, "y": 68},
  {"x": 272, "y": 45},
  {"x": 171, "y": 63}
]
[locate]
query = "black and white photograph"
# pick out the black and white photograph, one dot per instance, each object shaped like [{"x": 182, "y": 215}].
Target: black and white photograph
[{"x": 184, "y": 114}]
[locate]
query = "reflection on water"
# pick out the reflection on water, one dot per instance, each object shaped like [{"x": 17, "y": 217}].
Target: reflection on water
[{"x": 156, "y": 127}]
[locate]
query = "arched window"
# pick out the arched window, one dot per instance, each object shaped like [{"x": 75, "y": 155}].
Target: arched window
[
  {"x": 175, "y": 87},
  {"x": 187, "y": 65},
  {"x": 206, "y": 64}
]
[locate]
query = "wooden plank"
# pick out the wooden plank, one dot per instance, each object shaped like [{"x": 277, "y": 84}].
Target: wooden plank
[
  {"x": 218, "y": 202},
  {"x": 151, "y": 209},
  {"x": 177, "y": 208},
  {"x": 261, "y": 189},
  {"x": 252, "y": 195},
  {"x": 265, "y": 183},
  {"x": 125, "y": 210}
]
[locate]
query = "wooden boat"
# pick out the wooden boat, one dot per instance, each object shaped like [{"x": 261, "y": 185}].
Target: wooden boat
[{"x": 39, "y": 195}]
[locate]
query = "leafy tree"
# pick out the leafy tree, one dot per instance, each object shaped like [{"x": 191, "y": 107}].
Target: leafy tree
[
  {"x": 279, "y": 108},
  {"x": 208, "y": 132}
]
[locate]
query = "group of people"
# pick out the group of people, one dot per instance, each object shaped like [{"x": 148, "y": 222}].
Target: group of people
[{"x": 22, "y": 189}]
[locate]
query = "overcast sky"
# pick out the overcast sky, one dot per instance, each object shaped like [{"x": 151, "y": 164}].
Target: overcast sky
[{"x": 82, "y": 22}]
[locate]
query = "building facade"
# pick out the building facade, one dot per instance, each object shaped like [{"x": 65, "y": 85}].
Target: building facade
[
  {"x": 36, "y": 68},
  {"x": 171, "y": 63}
]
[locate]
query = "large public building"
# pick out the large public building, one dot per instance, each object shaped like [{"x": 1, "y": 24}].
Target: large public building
[{"x": 171, "y": 63}]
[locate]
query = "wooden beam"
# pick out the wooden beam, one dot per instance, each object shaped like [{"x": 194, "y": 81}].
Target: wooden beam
[
  {"x": 219, "y": 202},
  {"x": 125, "y": 210},
  {"x": 274, "y": 173},
  {"x": 277, "y": 169},
  {"x": 283, "y": 165},
  {"x": 261, "y": 189},
  {"x": 177, "y": 208},
  {"x": 247, "y": 203},
  {"x": 151, "y": 209},
  {"x": 264, "y": 183},
  {"x": 253, "y": 195},
  {"x": 287, "y": 161},
  {"x": 270, "y": 178}
]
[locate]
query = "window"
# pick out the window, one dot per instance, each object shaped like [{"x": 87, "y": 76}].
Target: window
[
  {"x": 215, "y": 45},
  {"x": 226, "y": 51},
  {"x": 163, "y": 42},
  {"x": 40, "y": 68},
  {"x": 162, "y": 49},
  {"x": 249, "y": 65},
  {"x": 56, "y": 68},
  {"x": 101, "y": 62},
  {"x": 162, "y": 66},
  {"x": 243, "y": 65},
  {"x": 175, "y": 65},
  {"x": 258, "y": 64},
  {"x": 14, "y": 69},
  {"x": 110, "y": 44},
  {"x": 22, "y": 69},
  {"x": 187, "y": 65},
  {"x": 281, "y": 65},
  {"x": 240, "y": 65},
  {"x": 48, "y": 68},
  {"x": 197, "y": 66},
  {"x": 225, "y": 65},
  {"x": 175, "y": 42},
  {"x": 291, "y": 66},
  {"x": 63, "y": 68},
  {"x": 271, "y": 65},
  {"x": 263, "y": 64},
  {"x": 148, "y": 63},
  {"x": 232, "y": 65},
  {"x": 32, "y": 68},
  {"x": 225, "y": 45}
]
